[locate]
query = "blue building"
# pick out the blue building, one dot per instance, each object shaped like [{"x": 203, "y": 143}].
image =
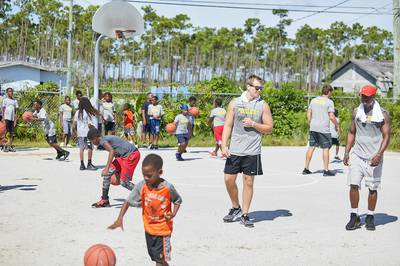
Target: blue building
[{"x": 22, "y": 75}]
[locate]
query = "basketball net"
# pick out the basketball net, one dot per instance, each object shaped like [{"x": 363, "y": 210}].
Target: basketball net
[{"x": 122, "y": 34}]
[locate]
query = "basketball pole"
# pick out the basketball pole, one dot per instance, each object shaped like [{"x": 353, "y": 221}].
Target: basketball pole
[
  {"x": 96, "y": 76},
  {"x": 396, "y": 52},
  {"x": 69, "y": 52}
]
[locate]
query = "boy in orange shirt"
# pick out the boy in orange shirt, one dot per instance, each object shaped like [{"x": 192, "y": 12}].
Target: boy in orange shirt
[
  {"x": 155, "y": 196},
  {"x": 129, "y": 130}
]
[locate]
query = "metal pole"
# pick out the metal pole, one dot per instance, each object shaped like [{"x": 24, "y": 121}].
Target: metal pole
[
  {"x": 396, "y": 35},
  {"x": 96, "y": 76},
  {"x": 69, "y": 55}
]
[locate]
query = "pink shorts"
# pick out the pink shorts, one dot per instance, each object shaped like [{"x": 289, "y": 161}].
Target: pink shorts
[
  {"x": 218, "y": 134},
  {"x": 125, "y": 166}
]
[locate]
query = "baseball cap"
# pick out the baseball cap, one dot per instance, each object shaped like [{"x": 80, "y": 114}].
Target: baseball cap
[
  {"x": 368, "y": 90},
  {"x": 184, "y": 106}
]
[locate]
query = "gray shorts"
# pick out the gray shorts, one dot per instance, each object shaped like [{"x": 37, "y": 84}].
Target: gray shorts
[
  {"x": 67, "y": 127},
  {"x": 360, "y": 168},
  {"x": 129, "y": 131},
  {"x": 84, "y": 143}
]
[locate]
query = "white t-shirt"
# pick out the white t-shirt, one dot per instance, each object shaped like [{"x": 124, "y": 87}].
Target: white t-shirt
[
  {"x": 219, "y": 116},
  {"x": 48, "y": 126},
  {"x": 66, "y": 111},
  {"x": 9, "y": 106},
  {"x": 155, "y": 111},
  {"x": 75, "y": 103},
  {"x": 108, "y": 111},
  {"x": 82, "y": 125}
]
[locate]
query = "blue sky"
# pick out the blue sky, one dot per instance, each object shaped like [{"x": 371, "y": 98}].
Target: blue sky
[{"x": 216, "y": 17}]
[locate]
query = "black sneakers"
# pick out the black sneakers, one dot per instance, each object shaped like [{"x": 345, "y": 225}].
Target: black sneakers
[
  {"x": 90, "y": 166},
  {"x": 64, "y": 155},
  {"x": 245, "y": 220},
  {"x": 233, "y": 215},
  {"x": 354, "y": 222},
  {"x": 369, "y": 223},
  {"x": 82, "y": 167},
  {"x": 328, "y": 173},
  {"x": 101, "y": 204},
  {"x": 306, "y": 171}
]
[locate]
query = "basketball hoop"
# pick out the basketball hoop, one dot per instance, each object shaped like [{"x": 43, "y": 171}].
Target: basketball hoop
[{"x": 127, "y": 23}]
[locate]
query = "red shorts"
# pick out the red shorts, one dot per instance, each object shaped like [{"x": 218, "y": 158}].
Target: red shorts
[
  {"x": 125, "y": 166},
  {"x": 218, "y": 134}
]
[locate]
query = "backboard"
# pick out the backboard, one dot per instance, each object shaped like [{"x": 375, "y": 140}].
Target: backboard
[{"x": 118, "y": 19}]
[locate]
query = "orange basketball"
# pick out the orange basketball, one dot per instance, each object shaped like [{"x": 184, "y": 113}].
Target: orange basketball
[
  {"x": 27, "y": 116},
  {"x": 194, "y": 111},
  {"x": 115, "y": 180},
  {"x": 2, "y": 129},
  {"x": 99, "y": 255},
  {"x": 170, "y": 128}
]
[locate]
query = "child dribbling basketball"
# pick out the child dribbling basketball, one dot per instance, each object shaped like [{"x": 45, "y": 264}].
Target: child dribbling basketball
[
  {"x": 123, "y": 158},
  {"x": 156, "y": 196}
]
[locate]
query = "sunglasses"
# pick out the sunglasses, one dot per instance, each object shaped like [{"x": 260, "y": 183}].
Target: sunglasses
[{"x": 256, "y": 87}]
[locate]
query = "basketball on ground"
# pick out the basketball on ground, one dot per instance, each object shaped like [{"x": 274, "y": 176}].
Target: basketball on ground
[
  {"x": 194, "y": 111},
  {"x": 170, "y": 128},
  {"x": 99, "y": 255},
  {"x": 27, "y": 116},
  {"x": 115, "y": 180}
]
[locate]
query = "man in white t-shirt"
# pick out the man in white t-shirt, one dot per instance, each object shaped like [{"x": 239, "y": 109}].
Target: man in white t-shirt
[
  {"x": 9, "y": 114},
  {"x": 40, "y": 115}
]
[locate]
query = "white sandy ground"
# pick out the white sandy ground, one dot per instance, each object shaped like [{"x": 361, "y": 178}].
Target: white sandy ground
[{"x": 46, "y": 218}]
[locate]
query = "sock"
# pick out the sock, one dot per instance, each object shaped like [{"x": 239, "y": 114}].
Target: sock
[
  {"x": 82, "y": 162},
  {"x": 89, "y": 162},
  {"x": 128, "y": 185},
  {"x": 370, "y": 212},
  {"x": 104, "y": 196},
  {"x": 355, "y": 210},
  {"x": 236, "y": 208}
]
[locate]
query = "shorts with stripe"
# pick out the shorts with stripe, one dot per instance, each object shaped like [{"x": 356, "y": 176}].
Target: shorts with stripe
[
  {"x": 158, "y": 247},
  {"x": 360, "y": 169},
  {"x": 84, "y": 143}
]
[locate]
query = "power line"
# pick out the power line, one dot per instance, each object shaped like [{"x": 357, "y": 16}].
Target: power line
[
  {"x": 253, "y": 8},
  {"x": 357, "y": 18},
  {"x": 321, "y": 11},
  {"x": 268, "y": 4}
]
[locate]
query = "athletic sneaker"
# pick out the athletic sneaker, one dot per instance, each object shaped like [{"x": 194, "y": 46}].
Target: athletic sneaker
[
  {"x": 101, "y": 204},
  {"x": 82, "y": 167},
  {"x": 90, "y": 166},
  {"x": 354, "y": 222},
  {"x": 156, "y": 147},
  {"x": 337, "y": 158},
  {"x": 179, "y": 157},
  {"x": 233, "y": 215},
  {"x": 328, "y": 173},
  {"x": 151, "y": 147},
  {"x": 6, "y": 149},
  {"x": 213, "y": 153},
  {"x": 306, "y": 171},
  {"x": 12, "y": 149},
  {"x": 69, "y": 146},
  {"x": 245, "y": 220},
  {"x": 59, "y": 155},
  {"x": 64, "y": 155},
  {"x": 369, "y": 222}
]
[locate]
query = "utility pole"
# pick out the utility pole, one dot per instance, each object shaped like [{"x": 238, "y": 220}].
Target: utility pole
[
  {"x": 69, "y": 55},
  {"x": 396, "y": 33}
]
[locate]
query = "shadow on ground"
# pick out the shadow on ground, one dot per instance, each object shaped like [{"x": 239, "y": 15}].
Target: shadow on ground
[
  {"x": 25, "y": 149},
  {"x": 18, "y": 187},
  {"x": 380, "y": 219},
  {"x": 335, "y": 171},
  {"x": 259, "y": 216}
]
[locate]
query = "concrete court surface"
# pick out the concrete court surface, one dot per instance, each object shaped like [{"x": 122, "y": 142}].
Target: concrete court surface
[{"x": 46, "y": 217}]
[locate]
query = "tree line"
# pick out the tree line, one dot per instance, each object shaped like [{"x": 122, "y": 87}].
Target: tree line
[{"x": 37, "y": 31}]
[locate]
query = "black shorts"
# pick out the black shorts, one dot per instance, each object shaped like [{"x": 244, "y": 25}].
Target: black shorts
[
  {"x": 158, "y": 247},
  {"x": 335, "y": 141},
  {"x": 109, "y": 126},
  {"x": 248, "y": 165},
  {"x": 10, "y": 127},
  {"x": 51, "y": 139},
  {"x": 322, "y": 140}
]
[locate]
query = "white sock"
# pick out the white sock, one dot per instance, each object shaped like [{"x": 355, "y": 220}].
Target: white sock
[
  {"x": 370, "y": 212},
  {"x": 354, "y": 210}
]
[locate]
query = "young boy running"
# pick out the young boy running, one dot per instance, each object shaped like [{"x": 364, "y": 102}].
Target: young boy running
[
  {"x": 109, "y": 114},
  {"x": 217, "y": 120},
  {"x": 155, "y": 114},
  {"x": 155, "y": 195},
  {"x": 9, "y": 114},
  {"x": 123, "y": 158},
  {"x": 129, "y": 130},
  {"x": 66, "y": 120},
  {"x": 183, "y": 125},
  {"x": 40, "y": 115}
]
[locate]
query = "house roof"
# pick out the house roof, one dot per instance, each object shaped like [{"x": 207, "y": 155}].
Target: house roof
[
  {"x": 377, "y": 69},
  {"x": 26, "y": 64}
]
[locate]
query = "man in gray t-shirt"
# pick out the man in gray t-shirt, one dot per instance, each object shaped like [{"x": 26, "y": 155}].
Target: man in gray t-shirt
[{"x": 320, "y": 112}]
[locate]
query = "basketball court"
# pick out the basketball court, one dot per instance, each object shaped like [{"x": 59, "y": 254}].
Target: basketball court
[{"x": 47, "y": 219}]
